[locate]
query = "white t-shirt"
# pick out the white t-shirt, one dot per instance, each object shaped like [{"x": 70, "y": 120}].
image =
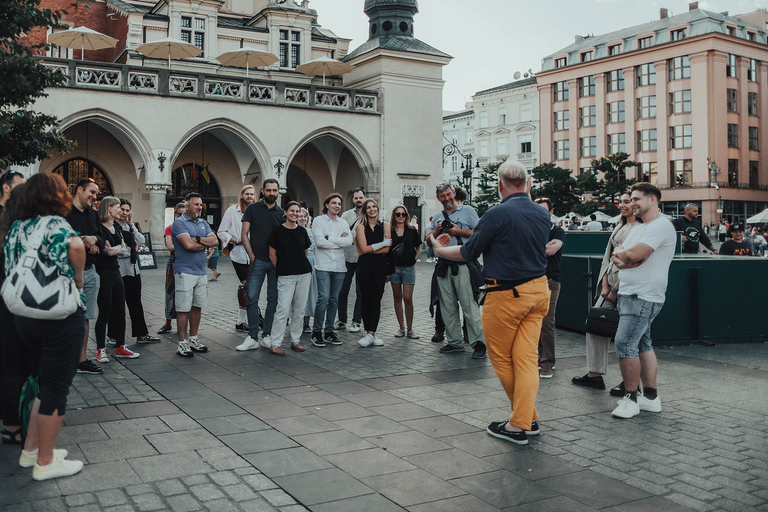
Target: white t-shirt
[
  {"x": 594, "y": 225},
  {"x": 649, "y": 280}
]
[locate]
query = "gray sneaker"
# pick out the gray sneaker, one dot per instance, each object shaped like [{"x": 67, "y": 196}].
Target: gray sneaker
[
  {"x": 400, "y": 333},
  {"x": 196, "y": 345},
  {"x": 184, "y": 350},
  {"x": 412, "y": 335}
]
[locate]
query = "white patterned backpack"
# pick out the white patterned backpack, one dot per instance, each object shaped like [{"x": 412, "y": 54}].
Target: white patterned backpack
[{"x": 35, "y": 290}]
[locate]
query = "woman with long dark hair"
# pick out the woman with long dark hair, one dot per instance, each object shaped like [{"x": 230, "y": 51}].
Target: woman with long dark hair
[
  {"x": 44, "y": 203},
  {"x": 373, "y": 239},
  {"x": 405, "y": 250}
]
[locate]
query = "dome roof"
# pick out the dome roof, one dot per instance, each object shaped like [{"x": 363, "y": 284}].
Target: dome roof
[{"x": 371, "y": 5}]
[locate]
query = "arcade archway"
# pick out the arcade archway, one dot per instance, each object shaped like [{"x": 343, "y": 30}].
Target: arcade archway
[
  {"x": 77, "y": 169},
  {"x": 195, "y": 178}
]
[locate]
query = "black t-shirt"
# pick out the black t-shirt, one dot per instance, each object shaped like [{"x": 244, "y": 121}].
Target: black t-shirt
[
  {"x": 104, "y": 262},
  {"x": 553, "y": 262},
  {"x": 731, "y": 248},
  {"x": 410, "y": 240},
  {"x": 263, "y": 220},
  {"x": 290, "y": 246},
  {"x": 693, "y": 231},
  {"x": 86, "y": 223}
]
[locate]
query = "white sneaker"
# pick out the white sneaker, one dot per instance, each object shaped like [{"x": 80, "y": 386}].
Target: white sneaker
[
  {"x": 355, "y": 327},
  {"x": 366, "y": 341},
  {"x": 27, "y": 461},
  {"x": 184, "y": 350},
  {"x": 111, "y": 342},
  {"x": 339, "y": 326},
  {"x": 412, "y": 335},
  {"x": 377, "y": 342},
  {"x": 248, "y": 344},
  {"x": 266, "y": 341},
  {"x": 429, "y": 260},
  {"x": 400, "y": 333},
  {"x": 59, "y": 467},
  {"x": 648, "y": 405},
  {"x": 101, "y": 356},
  {"x": 196, "y": 345},
  {"x": 626, "y": 408}
]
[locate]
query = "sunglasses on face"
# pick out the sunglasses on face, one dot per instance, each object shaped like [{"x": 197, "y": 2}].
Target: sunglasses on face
[{"x": 400, "y": 214}]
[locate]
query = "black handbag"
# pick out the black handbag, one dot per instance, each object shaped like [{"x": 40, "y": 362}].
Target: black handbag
[{"x": 602, "y": 322}]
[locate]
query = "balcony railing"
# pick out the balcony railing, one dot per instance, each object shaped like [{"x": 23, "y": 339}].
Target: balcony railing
[
  {"x": 721, "y": 184},
  {"x": 168, "y": 82}
]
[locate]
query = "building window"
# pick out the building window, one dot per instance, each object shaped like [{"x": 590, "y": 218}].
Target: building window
[
  {"x": 562, "y": 120},
  {"x": 615, "y": 80},
  {"x": 731, "y": 100},
  {"x": 588, "y": 116},
  {"x": 501, "y": 146},
  {"x": 617, "y": 143},
  {"x": 614, "y": 49},
  {"x": 648, "y": 173},
  {"x": 752, "y": 70},
  {"x": 733, "y": 172},
  {"x": 752, "y": 103},
  {"x": 680, "y": 102},
  {"x": 526, "y": 109},
  {"x": 679, "y": 68},
  {"x": 731, "y": 31},
  {"x": 644, "y": 42},
  {"x": 733, "y": 135},
  {"x": 677, "y": 35},
  {"x": 193, "y": 31},
  {"x": 588, "y": 147},
  {"x": 681, "y": 172},
  {"x": 560, "y": 63},
  {"x": 468, "y": 137},
  {"x": 680, "y": 136},
  {"x": 646, "y": 141},
  {"x": 562, "y": 149},
  {"x": 290, "y": 48},
  {"x": 561, "y": 91},
  {"x": 483, "y": 119},
  {"x": 751, "y": 36},
  {"x": 502, "y": 116},
  {"x": 526, "y": 143},
  {"x": 754, "y": 174},
  {"x": 587, "y": 56},
  {"x": 730, "y": 66},
  {"x": 646, "y": 74},
  {"x": 59, "y": 52},
  {"x": 484, "y": 148},
  {"x": 646, "y": 107},
  {"x": 587, "y": 86},
  {"x": 454, "y": 164},
  {"x": 753, "y": 138},
  {"x": 615, "y": 112}
]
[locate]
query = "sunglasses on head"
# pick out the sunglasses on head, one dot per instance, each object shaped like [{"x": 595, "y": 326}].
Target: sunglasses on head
[
  {"x": 541, "y": 199},
  {"x": 7, "y": 177}
]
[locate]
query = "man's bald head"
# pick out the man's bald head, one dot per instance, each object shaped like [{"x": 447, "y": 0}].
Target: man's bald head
[{"x": 691, "y": 211}]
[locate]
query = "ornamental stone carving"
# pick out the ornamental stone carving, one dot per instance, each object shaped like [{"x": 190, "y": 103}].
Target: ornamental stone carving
[
  {"x": 261, "y": 92},
  {"x": 162, "y": 187},
  {"x": 300, "y": 96},
  {"x": 98, "y": 77},
  {"x": 332, "y": 99},
  {"x": 183, "y": 85},
  {"x": 142, "y": 81},
  {"x": 418, "y": 191},
  {"x": 222, "y": 88}
]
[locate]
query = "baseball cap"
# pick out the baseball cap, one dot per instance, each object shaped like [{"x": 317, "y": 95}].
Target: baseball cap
[{"x": 736, "y": 226}]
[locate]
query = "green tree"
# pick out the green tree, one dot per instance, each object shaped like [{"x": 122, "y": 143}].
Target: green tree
[
  {"x": 558, "y": 185},
  {"x": 488, "y": 196},
  {"x": 25, "y": 135},
  {"x": 606, "y": 180}
]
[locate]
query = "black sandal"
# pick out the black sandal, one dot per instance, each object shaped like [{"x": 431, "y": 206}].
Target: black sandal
[{"x": 11, "y": 437}]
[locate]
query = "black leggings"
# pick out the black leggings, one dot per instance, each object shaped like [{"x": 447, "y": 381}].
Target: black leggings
[
  {"x": 132, "y": 286},
  {"x": 60, "y": 342},
  {"x": 111, "y": 308},
  {"x": 241, "y": 269},
  {"x": 371, "y": 276},
  {"x": 16, "y": 364}
]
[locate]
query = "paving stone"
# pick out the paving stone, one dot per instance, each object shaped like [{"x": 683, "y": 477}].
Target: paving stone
[
  {"x": 322, "y": 486},
  {"x": 240, "y": 492},
  {"x": 195, "y": 480},
  {"x": 144, "y": 409},
  {"x": 371, "y": 502},
  {"x": 134, "y": 427},
  {"x": 259, "y": 441},
  {"x": 172, "y": 465},
  {"x": 409, "y": 488},
  {"x": 233, "y": 424},
  {"x": 259, "y": 482},
  {"x": 180, "y": 441},
  {"x": 116, "y": 449},
  {"x": 337, "y": 441},
  {"x": 80, "y": 499},
  {"x": 99, "y": 477},
  {"x": 277, "y": 497},
  {"x": 181, "y": 421},
  {"x": 148, "y": 502},
  {"x": 86, "y": 508},
  {"x": 111, "y": 497},
  {"x": 206, "y": 492},
  {"x": 299, "y": 425},
  {"x": 170, "y": 487},
  {"x": 120, "y": 508},
  {"x": 459, "y": 504},
  {"x": 183, "y": 503},
  {"x": 221, "y": 505},
  {"x": 259, "y": 505},
  {"x": 50, "y": 504},
  {"x": 222, "y": 458},
  {"x": 224, "y": 478},
  {"x": 287, "y": 462},
  {"x": 134, "y": 490}
]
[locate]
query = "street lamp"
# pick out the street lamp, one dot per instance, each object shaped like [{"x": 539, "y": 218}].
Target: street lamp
[{"x": 464, "y": 179}]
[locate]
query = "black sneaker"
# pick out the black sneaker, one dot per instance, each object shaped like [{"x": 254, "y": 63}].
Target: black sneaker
[
  {"x": 496, "y": 429},
  {"x": 590, "y": 382},
  {"x": 164, "y": 329},
  {"x": 241, "y": 327},
  {"x": 618, "y": 390},
  {"x": 479, "y": 352},
  {"x": 534, "y": 429},
  {"x": 317, "y": 339},
  {"x": 438, "y": 337},
  {"x": 88, "y": 367},
  {"x": 331, "y": 338},
  {"x": 450, "y": 349},
  {"x": 142, "y": 340}
]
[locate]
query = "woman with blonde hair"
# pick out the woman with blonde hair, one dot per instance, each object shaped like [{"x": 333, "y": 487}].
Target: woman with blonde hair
[
  {"x": 405, "y": 250},
  {"x": 373, "y": 239},
  {"x": 229, "y": 234}
]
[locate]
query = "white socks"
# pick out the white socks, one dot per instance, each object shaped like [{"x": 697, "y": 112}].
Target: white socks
[{"x": 242, "y": 316}]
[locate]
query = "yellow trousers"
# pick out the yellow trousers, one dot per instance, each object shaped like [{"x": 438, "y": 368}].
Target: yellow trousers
[{"x": 512, "y": 326}]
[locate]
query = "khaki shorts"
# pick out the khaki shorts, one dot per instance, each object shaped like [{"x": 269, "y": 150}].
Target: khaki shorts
[{"x": 191, "y": 291}]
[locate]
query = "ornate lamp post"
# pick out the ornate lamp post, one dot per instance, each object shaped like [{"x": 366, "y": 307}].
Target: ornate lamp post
[{"x": 464, "y": 179}]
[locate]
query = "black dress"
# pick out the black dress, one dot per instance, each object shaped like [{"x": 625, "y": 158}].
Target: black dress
[{"x": 371, "y": 277}]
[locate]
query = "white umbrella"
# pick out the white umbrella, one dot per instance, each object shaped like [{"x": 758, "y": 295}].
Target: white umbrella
[
  {"x": 760, "y": 218},
  {"x": 324, "y": 66},
  {"x": 247, "y": 57},
  {"x": 83, "y": 38},
  {"x": 169, "y": 48},
  {"x": 602, "y": 217}
]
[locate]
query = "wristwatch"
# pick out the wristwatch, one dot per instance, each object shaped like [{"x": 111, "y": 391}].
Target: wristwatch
[{"x": 197, "y": 238}]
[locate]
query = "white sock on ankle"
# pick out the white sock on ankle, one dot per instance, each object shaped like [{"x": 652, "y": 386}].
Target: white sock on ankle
[{"x": 242, "y": 316}]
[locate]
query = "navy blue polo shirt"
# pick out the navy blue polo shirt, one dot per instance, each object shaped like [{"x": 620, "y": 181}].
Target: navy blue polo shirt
[
  {"x": 189, "y": 262},
  {"x": 512, "y": 238}
]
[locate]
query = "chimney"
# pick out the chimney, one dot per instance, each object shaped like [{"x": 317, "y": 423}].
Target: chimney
[
  {"x": 578, "y": 38},
  {"x": 724, "y": 13},
  {"x": 663, "y": 12},
  {"x": 693, "y": 5}
]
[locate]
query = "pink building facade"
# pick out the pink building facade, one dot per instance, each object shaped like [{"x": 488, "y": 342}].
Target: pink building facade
[{"x": 683, "y": 96}]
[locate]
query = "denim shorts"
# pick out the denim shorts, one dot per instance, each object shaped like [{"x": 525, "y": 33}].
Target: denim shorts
[
  {"x": 403, "y": 275},
  {"x": 634, "y": 332},
  {"x": 91, "y": 285}
]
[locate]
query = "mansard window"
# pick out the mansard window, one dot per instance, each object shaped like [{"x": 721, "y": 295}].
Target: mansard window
[
  {"x": 562, "y": 120},
  {"x": 679, "y": 68},
  {"x": 561, "y": 62},
  {"x": 587, "y": 56},
  {"x": 646, "y": 74},
  {"x": 730, "y": 66},
  {"x": 646, "y": 107},
  {"x": 193, "y": 31},
  {"x": 646, "y": 141},
  {"x": 561, "y": 91},
  {"x": 677, "y": 35},
  {"x": 588, "y": 116},
  {"x": 680, "y": 136},
  {"x": 614, "y": 49},
  {"x": 562, "y": 149},
  {"x": 587, "y": 86},
  {"x": 615, "y": 80},
  {"x": 644, "y": 42},
  {"x": 588, "y": 147},
  {"x": 752, "y": 103},
  {"x": 615, "y": 112},
  {"x": 617, "y": 143},
  {"x": 680, "y": 102},
  {"x": 290, "y": 48}
]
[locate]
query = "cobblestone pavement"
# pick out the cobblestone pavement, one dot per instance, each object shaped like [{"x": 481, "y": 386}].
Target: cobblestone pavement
[{"x": 400, "y": 427}]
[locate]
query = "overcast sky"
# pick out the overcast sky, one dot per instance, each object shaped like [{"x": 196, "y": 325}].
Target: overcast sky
[{"x": 491, "y": 39}]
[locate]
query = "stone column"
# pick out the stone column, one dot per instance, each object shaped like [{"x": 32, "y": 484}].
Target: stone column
[{"x": 157, "y": 194}]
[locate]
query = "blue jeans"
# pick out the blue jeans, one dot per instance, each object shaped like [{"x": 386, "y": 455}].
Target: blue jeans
[
  {"x": 634, "y": 332},
  {"x": 261, "y": 269},
  {"x": 328, "y": 287}
]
